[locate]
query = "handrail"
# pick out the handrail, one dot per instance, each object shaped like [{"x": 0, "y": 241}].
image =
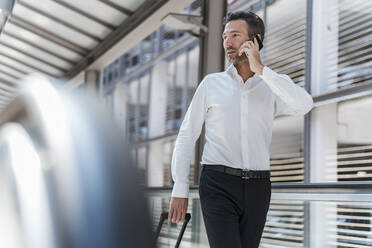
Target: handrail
[
  {"x": 361, "y": 185},
  {"x": 342, "y": 192}
]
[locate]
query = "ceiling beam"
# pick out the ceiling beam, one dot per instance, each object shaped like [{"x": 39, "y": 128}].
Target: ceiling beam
[{"x": 117, "y": 7}]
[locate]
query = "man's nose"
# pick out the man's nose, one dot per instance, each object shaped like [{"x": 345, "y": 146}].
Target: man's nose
[{"x": 227, "y": 42}]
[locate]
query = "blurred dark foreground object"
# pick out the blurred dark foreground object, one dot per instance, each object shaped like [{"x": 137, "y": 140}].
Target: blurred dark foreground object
[{"x": 66, "y": 178}]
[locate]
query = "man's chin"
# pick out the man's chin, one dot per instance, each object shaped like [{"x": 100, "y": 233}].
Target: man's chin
[
  {"x": 236, "y": 59},
  {"x": 231, "y": 59},
  {"x": 240, "y": 59}
]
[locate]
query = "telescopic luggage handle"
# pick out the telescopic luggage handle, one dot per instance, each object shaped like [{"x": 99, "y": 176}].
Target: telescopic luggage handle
[{"x": 163, "y": 217}]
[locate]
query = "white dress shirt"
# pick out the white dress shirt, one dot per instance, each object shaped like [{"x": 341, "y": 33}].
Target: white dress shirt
[{"x": 238, "y": 120}]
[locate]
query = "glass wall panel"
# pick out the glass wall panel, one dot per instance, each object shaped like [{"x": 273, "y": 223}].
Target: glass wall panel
[
  {"x": 286, "y": 150},
  {"x": 350, "y": 49},
  {"x": 161, "y": 156},
  {"x": 138, "y": 107},
  {"x": 343, "y": 136}
]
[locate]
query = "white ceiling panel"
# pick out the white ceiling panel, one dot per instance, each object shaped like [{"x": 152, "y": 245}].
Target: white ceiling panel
[
  {"x": 6, "y": 98},
  {"x": 106, "y": 13},
  {"x": 6, "y": 88},
  {"x": 62, "y": 37},
  {"x": 60, "y": 13},
  {"x": 3, "y": 103},
  {"x": 53, "y": 27},
  {"x": 128, "y": 4},
  {"x": 11, "y": 42},
  {"x": 11, "y": 71},
  {"x": 6, "y": 93},
  {"x": 17, "y": 64},
  {"x": 35, "y": 40},
  {"x": 32, "y": 62},
  {"x": 8, "y": 78}
]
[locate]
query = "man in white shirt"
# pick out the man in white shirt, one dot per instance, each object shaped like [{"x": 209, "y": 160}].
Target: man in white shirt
[{"x": 238, "y": 107}]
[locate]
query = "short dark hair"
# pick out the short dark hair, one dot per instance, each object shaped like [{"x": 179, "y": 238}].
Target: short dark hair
[{"x": 254, "y": 22}]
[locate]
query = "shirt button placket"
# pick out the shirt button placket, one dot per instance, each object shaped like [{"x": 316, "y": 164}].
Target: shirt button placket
[{"x": 244, "y": 130}]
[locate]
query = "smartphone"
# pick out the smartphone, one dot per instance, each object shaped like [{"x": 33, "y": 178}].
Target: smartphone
[{"x": 260, "y": 45}]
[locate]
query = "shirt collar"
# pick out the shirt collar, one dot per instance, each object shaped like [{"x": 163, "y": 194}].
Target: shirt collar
[{"x": 251, "y": 82}]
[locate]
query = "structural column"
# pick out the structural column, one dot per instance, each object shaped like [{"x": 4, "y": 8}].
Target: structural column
[
  {"x": 323, "y": 119},
  {"x": 212, "y": 56},
  {"x": 121, "y": 98},
  {"x": 92, "y": 82},
  {"x": 323, "y": 145},
  {"x": 157, "y": 115}
]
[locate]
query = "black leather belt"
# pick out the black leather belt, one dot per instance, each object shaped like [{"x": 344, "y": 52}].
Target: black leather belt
[{"x": 243, "y": 173}]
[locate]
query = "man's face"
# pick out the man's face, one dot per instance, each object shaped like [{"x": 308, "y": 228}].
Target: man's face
[{"x": 234, "y": 35}]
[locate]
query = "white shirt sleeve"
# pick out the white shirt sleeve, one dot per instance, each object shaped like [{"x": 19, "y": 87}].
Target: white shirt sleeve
[
  {"x": 291, "y": 99},
  {"x": 188, "y": 134}
]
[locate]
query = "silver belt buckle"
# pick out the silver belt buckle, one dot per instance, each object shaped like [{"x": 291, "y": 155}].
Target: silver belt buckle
[{"x": 245, "y": 174}]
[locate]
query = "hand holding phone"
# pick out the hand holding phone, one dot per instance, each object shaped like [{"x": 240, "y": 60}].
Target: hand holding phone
[
  {"x": 260, "y": 45},
  {"x": 253, "y": 56}
]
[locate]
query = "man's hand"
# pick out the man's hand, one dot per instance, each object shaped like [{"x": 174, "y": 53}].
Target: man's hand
[
  {"x": 251, "y": 49},
  {"x": 177, "y": 209}
]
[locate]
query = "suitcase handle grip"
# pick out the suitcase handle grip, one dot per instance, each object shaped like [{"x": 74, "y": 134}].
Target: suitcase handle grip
[{"x": 163, "y": 217}]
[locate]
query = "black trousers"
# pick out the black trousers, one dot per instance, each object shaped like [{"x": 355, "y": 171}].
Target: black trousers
[{"x": 234, "y": 209}]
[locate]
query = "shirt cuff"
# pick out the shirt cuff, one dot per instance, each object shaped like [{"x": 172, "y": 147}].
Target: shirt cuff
[
  {"x": 180, "y": 190},
  {"x": 268, "y": 74}
]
